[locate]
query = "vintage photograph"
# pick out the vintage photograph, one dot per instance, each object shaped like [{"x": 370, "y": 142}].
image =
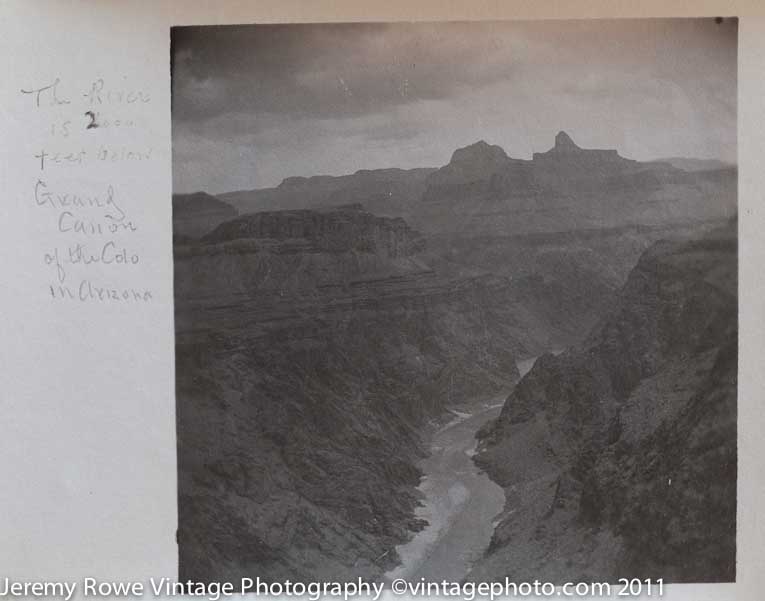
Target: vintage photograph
[{"x": 456, "y": 300}]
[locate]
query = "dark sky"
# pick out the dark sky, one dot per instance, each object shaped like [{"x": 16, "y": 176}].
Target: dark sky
[{"x": 254, "y": 104}]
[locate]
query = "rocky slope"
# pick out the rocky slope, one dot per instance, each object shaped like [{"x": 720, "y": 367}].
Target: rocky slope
[
  {"x": 306, "y": 373},
  {"x": 618, "y": 457}
]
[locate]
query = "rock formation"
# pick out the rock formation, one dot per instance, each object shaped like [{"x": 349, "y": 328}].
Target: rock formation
[
  {"x": 482, "y": 191},
  {"x": 337, "y": 229},
  {"x": 619, "y": 456}
]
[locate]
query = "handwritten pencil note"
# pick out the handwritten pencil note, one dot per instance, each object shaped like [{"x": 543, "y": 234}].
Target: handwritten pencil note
[
  {"x": 85, "y": 155},
  {"x": 87, "y": 303}
]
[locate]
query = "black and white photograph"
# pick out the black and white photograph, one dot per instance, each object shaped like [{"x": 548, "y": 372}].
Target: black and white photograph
[{"x": 456, "y": 300}]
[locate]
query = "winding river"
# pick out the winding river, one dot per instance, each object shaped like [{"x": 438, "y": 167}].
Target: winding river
[{"x": 459, "y": 502}]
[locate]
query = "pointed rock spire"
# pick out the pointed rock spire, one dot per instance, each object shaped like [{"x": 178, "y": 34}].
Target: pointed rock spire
[{"x": 564, "y": 142}]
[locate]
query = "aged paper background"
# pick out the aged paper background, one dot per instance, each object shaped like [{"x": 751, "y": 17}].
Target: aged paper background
[{"x": 88, "y": 444}]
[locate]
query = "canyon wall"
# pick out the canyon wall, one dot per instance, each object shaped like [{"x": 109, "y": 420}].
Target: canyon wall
[
  {"x": 618, "y": 456},
  {"x": 306, "y": 377}
]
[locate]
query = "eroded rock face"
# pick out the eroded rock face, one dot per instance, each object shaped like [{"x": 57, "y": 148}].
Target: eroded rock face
[
  {"x": 340, "y": 229},
  {"x": 305, "y": 378},
  {"x": 619, "y": 456}
]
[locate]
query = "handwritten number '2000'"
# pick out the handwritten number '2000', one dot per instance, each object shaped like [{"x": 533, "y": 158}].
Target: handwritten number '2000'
[{"x": 95, "y": 121}]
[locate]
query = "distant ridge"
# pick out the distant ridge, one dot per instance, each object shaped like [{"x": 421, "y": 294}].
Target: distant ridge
[
  {"x": 481, "y": 188},
  {"x": 386, "y": 192},
  {"x": 691, "y": 164}
]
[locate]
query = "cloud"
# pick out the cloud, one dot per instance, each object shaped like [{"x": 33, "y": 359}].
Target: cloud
[
  {"x": 254, "y": 104},
  {"x": 335, "y": 70}
]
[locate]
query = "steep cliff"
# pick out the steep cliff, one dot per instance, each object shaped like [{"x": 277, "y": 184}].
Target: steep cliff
[
  {"x": 618, "y": 457},
  {"x": 306, "y": 374},
  {"x": 338, "y": 229}
]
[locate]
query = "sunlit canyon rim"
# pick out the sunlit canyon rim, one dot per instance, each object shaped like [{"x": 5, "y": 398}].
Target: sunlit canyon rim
[{"x": 496, "y": 367}]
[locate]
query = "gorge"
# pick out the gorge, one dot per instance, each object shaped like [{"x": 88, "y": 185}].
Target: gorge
[{"x": 339, "y": 340}]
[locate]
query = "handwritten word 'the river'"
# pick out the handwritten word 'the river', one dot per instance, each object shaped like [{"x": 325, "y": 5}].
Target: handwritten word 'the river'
[{"x": 99, "y": 92}]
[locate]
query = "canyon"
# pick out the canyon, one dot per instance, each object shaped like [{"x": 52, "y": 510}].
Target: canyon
[{"x": 329, "y": 328}]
